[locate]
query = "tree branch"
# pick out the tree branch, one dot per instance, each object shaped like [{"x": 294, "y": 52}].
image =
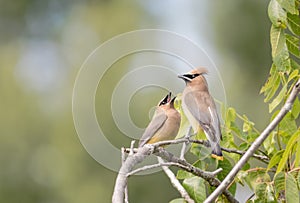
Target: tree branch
[
  {"x": 127, "y": 166},
  {"x": 203, "y": 142},
  {"x": 146, "y": 150},
  {"x": 256, "y": 144},
  {"x": 175, "y": 182},
  {"x": 183, "y": 164},
  {"x": 126, "y": 188},
  {"x": 208, "y": 176},
  {"x": 184, "y": 145},
  {"x": 235, "y": 151},
  {"x": 206, "y": 144},
  {"x": 148, "y": 167}
]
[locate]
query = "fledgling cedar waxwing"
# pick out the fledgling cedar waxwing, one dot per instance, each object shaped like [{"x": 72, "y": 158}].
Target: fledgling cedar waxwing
[
  {"x": 200, "y": 109},
  {"x": 164, "y": 124}
]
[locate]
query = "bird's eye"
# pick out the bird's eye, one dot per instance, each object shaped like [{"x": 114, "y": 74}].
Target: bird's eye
[
  {"x": 195, "y": 75},
  {"x": 162, "y": 103}
]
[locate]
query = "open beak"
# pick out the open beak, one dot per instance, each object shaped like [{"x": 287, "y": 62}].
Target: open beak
[
  {"x": 169, "y": 97},
  {"x": 166, "y": 100},
  {"x": 172, "y": 101}
]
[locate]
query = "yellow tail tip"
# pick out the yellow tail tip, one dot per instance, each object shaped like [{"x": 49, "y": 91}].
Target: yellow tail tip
[{"x": 217, "y": 157}]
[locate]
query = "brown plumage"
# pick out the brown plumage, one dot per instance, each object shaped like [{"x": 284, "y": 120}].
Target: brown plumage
[
  {"x": 200, "y": 108},
  {"x": 164, "y": 124}
]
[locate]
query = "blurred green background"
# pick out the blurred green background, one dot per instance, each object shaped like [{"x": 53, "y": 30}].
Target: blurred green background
[{"x": 44, "y": 43}]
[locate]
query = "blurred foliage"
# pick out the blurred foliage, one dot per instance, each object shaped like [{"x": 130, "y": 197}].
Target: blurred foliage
[
  {"x": 241, "y": 34},
  {"x": 277, "y": 180}
]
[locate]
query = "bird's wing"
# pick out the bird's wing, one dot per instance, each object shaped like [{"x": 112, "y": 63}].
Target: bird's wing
[
  {"x": 197, "y": 103},
  {"x": 202, "y": 107},
  {"x": 157, "y": 121},
  {"x": 215, "y": 122}
]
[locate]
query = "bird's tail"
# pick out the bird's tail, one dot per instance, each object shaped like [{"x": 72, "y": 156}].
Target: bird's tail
[
  {"x": 217, "y": 152},
  {"x": 214, "y": 145}
]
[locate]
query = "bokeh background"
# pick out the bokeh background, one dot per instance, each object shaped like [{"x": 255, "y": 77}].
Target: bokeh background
[{"x": 42, "y": 47}]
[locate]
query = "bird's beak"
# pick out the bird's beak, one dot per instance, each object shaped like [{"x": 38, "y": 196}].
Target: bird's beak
[
  {"x": 169, "y": 97},
  {"x": 173, "y": 100},
  {"x": 184, "y": 78}
]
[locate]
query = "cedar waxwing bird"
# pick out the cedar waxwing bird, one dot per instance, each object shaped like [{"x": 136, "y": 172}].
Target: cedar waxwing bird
[
  {"x": 164, "y": 124},
  {"x": 200, "y": 109}
]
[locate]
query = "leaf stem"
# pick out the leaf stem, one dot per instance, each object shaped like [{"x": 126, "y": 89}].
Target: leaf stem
[{"x": 278, "y": 138}]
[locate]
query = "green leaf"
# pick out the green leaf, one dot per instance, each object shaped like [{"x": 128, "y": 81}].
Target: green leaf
[
  {"x": 241, "y": 176},
  {"x": 244, "y": 146},
  {"x": 293, "y": 75},
  {"x": 279, "y": 183},
  {"x": 271, "y": 80},
  {"x": 252, "y": 136},
  {"x": 246, "y": 167},
  {"x": 291, "y": 189},
  {"x": 230, "y": 116},
  {"x": 278, "y": 99},
  {"x": 274, "y": 114},
  {"x": 298, "y": 179},
  {"x": 280, "y": 52},
  {"x": 294, "y": 23},
  {"x": 236, "y": 130},
  {"x": 195, "y": 186},
  {"x": 296, "y": 108},
  {"x": 287, "y": 151},
  {"x": 288, "y": 126},
  {"x": 297, "y": 156},
  {"x": 293, "y": 45},
  {"x": 257, "y": 177},
  {"x": 289, "y": 5},
  {"x": 226, "y": 166},
  {"x": 181, "y": 174},
  {"x": 275, "y": 159},
  {"x": 277, "y": 15},
  {"x": 200, "y": 151},
  {"x": 273, "y": 87},
  {"x": 264, "y": 193},
  {"x": 269, "y": 194},
  {"x": 294, "y": 65},
  {"x": 270, "y": 143},
  {"x": 178, "y": 200},
  {"x": 247, "y": 125}
]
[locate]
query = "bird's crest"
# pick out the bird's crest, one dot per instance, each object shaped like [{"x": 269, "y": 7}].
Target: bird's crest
[{"x": 200, "y": 70}]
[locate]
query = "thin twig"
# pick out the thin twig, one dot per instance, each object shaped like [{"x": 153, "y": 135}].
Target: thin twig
[
  {"x": 184, "y": 145},
  {"x": 131, "y": 147},
  {"x": 148, "y": 167},
  {"x": 257, "y": 156},
  {"x": 175, "y": 182},
  {"x": 168, "y": 142},
  {"x": 230, "y": 150},
  {"x": 126, "y": 187},
  {"x": 256, "y": 144}
]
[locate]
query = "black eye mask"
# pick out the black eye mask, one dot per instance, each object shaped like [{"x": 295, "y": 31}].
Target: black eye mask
[
  {"x": 191, "y": 76},
  {"x": 165, "y": 100}
]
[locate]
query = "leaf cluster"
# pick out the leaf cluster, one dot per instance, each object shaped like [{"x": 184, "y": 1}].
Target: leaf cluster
[{"x": 278, "y": 179}]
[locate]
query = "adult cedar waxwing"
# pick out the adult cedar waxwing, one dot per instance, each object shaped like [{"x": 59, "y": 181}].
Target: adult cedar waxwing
[
  {"x": 164, "y": 124},
  {"x": 200, "y": 109}
]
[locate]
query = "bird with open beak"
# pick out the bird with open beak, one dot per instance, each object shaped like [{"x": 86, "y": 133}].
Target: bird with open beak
[
  {"x": 200, "y": 109},
  {"x": 164, "y": 124}
]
